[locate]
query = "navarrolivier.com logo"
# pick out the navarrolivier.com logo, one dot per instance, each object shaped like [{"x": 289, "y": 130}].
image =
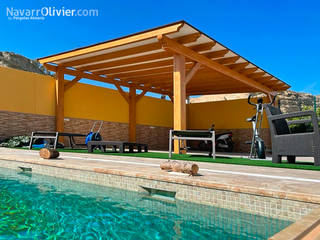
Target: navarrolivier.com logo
[{"x": 41, "y": 13}]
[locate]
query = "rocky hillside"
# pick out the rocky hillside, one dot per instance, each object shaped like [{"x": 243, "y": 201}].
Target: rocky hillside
[
  {"x": 290, "y": 101},
  {"x": 13, "y": 60}
]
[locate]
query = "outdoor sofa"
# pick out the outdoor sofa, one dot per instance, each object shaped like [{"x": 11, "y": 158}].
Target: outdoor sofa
[{"x": 286, "y": 143}]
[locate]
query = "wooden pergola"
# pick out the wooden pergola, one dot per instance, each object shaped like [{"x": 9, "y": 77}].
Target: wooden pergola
[{"x": 176, "y": 60}]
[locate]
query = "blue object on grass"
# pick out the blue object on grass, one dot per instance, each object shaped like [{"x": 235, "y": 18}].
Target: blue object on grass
[{"x": 40, "y": 144}]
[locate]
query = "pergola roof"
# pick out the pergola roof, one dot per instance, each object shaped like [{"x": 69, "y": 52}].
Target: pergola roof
[{"x": 145, "y": 60}]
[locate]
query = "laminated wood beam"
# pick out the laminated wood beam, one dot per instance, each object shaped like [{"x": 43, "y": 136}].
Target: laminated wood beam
[
  {"x": 60, "y": 101},
  {"x": 192, "y": 72},
  {"x": 132, "y": 114},
  {"x": 138, "y": 97},
  {"x": 71, "y": 83},
  {"x": 122, "y": 93},
  {"x": 179, "y": 96},
  {"x": 173, "y": 46},
  {"x": 115, "y": 43}
]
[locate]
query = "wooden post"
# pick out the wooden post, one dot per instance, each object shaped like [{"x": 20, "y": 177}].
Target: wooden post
[
  {"x": 132, "y": 114},
  {"x": 179, "y": 95},
  {"x": 60, "y": 101}
]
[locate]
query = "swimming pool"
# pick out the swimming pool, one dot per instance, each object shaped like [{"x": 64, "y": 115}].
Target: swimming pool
[{"x": 34, "y": 206}]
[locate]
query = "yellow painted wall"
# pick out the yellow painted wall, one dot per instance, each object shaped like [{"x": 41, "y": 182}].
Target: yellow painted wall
[
  {"x": 155, "y": 112},
  {"x": 26, "y": 92},
  {"x": 230, "y": 114},
  {"x": 92, "y": 102}
]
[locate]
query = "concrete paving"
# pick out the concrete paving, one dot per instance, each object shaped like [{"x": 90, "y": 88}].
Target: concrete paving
[{"x": 302, "y": 185}]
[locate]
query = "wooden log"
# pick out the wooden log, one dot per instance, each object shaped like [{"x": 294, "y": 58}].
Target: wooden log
[
  {"x": 166, "y": 165},
  {"x": 178, "y": 166},
  {"x": 47, "y": 153}
]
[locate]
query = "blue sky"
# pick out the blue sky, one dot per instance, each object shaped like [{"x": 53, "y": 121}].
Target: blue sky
[{"x": 280, "y": 36}]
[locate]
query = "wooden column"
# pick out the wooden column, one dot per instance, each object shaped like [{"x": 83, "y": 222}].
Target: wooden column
[
  {"x": 60, "y": 101},
  {"x": 179, "y": 95},
  {"x": 132, "y": 114}
]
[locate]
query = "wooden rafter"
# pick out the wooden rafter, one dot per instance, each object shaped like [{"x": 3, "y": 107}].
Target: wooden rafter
[
  {"x": 143, "y": 72},
  {"x": 248, "y": 70},
  {"x": 100, "y": 78},
  {"x": 171, "y": 45},
  {"x": 138, "y": 66},
  {"x": 216, "y": 54},
  {"x": 143, "y": 58},
  {"x": 256, "y": 75},
  {"x": 227, "y": 60},
  {"x": 127, "y": 52},
  {"x": 128, "y": 61},
  {"x": 238, "y": 66}
]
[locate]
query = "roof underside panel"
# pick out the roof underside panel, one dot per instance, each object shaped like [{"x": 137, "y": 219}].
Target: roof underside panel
[{"x": 140, "y": 60}]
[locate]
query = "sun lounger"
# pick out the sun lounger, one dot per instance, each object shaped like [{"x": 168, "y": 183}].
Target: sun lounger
[
  {"x": 117, "y": 145},
  {"x": 54, "y": 136}
]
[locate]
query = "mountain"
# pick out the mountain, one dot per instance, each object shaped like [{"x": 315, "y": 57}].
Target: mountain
[{"x": 13, "y": 60}]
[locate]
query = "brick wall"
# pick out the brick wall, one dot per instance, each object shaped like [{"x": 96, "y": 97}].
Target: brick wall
[
  {"x": 156, "y": 137},
  {"x": 14, "y": 123},
  {"x": 240, "y": 136}
]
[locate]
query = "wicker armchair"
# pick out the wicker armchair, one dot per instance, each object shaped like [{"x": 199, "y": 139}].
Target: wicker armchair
[{"x": 285, "y": 143}]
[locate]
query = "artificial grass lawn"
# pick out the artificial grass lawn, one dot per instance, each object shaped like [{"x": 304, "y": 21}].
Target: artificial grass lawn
[{"x": 201, "y": 158}]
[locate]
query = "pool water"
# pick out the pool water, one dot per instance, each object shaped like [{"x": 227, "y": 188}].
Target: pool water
[{"x": 34, "y": 206}]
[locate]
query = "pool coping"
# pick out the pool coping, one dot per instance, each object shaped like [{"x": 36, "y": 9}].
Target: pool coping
[
  {"x": 192, "y": 181},
  {"x": 307, "y": 228}
]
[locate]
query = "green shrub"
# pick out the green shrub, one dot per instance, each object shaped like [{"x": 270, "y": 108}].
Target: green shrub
[
  {"x": 303, "y": 127},
  {"x": 18, "y": 141}
]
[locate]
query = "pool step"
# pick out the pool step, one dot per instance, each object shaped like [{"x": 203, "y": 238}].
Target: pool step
[{"x": 160, "y": 194}]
